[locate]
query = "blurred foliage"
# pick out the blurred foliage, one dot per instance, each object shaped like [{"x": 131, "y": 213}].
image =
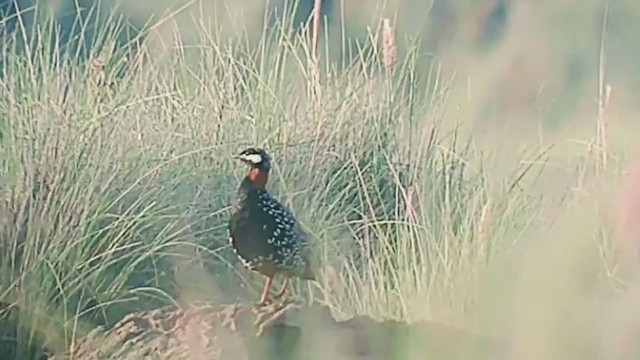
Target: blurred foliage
[{"x": 514, "y": 60}]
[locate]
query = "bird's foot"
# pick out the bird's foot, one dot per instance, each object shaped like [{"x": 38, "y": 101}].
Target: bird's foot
[
  {"x": 270, "y": 305},
  {"x": 272, "y": 315},
  {"x": 279, "y": 297},
  {"x": 262, "y": 304}
]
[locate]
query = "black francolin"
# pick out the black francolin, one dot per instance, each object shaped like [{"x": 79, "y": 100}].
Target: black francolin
[{"x": 263, "y": 233}]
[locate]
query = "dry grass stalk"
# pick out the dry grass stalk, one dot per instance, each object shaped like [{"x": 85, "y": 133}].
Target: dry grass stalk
[
  {"x": 99, "y": 80},
  {"x": 332, "y": 284},
  {"x": 412, "y": 204},
  {"x": 316, "y": 26},
  {"x": 604, "y": 92},
  {"x": 100, "y": 76},
  {"x": 603, "y": 137},
  {"x": 389, "y": 47},
  {"x": 313, "y": 64},
  {"x": 485, "y": 223}
]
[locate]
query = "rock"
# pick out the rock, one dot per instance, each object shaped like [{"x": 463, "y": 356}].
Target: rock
[{"x": 279, "y": 331}]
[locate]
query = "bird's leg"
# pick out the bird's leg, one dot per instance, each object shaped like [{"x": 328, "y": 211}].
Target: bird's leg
[
  {"x": 264, "y": 299},
  {"x": 282, "y": 291}
]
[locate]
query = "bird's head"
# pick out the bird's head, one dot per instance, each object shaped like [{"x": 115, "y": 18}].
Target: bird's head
[
  {"x": 256, "y": 158},
  {"x": 259, "y": 165}
]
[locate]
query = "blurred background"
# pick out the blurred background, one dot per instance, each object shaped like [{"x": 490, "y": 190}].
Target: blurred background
[
  {"x": 530, "y": 80},
  {"x": 529, "y": 64}
]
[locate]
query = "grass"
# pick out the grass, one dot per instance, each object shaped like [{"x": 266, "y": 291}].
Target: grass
[{"x": 115, "y": 193}]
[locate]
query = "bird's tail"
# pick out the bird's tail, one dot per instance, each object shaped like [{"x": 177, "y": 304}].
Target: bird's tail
[
  {"x": 311, "y": 269},
  {"x": 310, "y": 272}
]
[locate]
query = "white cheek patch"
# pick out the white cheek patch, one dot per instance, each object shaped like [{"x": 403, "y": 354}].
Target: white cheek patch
[{"x": 253, "y": 158}]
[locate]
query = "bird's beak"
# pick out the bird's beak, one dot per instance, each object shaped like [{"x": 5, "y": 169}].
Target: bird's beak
[{"x": 238, "y": 158}]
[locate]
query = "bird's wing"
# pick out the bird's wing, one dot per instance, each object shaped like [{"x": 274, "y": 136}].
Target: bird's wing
[
  {"x": 288, "y": 236},
  {"x": 293, "y": 223},
  {"x": 286, "y": 229}
]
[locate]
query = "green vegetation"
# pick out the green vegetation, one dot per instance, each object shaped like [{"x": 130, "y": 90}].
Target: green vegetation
[{"x": 116, "y": 180}]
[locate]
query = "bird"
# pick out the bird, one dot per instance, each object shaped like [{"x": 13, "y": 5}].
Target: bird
[{"x": 263, "y": 233}]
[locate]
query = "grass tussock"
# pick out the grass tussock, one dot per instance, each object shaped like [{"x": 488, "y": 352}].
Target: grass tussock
[{"x": 117, "y": 174}]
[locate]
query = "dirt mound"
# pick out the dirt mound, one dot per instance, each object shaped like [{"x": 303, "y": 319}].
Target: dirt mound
[{"x": 281, "y": 331}]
